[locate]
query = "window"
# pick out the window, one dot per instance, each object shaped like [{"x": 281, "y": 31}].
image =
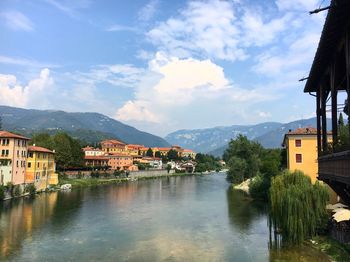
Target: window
[
  {"x": 298, "y": 158},
  {"x": 297, "y": 143},
  {"x": 29, "y": 165}
]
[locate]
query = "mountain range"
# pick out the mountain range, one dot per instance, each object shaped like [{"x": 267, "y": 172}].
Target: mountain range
[
  {"x": 215, "y": 140},
  {"x": 90, "y": 127}
]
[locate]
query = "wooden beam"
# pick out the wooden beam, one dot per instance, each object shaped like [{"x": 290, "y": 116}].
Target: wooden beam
[
  {"x": 324, "y": 117},
  {"x": 347, "y": 71},
  {"x": 334, "y": 94},
  {"x": 318, "y": 117}
]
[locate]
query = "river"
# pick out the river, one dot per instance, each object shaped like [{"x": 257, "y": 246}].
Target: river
[{"x": 195, "y": 218}]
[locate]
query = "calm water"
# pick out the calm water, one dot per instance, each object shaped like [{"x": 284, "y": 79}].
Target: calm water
[{"x": 176, "y": 219}]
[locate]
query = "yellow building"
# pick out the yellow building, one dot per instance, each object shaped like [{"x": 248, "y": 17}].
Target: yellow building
[
  {"x": 301, "y": 146},
  {"x": 113, "y": 146},
  {"x": 41, "y": 167}
]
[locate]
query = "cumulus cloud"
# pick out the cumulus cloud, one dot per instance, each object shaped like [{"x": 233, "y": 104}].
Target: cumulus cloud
[
  {"x": 12, "y": 93},
  {"x": 17, "y": 21},
  {"x": 174, "y": 87}
]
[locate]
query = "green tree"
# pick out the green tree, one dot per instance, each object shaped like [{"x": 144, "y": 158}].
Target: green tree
[
  {"x": 158, "y": 154},
  {"x": 149, "y": 152},
  {"x": 248, "y": 151},
  {"x": 237, "y": 169},
  {"x": 298, "y": 208},
  {"x": 168, "y": 168},
  {"x": 43, "y": 140},
  {"x": 173, "y": 154}
]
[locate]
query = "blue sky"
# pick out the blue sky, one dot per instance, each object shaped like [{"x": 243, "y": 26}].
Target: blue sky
[{"x": 161, "y": 65}]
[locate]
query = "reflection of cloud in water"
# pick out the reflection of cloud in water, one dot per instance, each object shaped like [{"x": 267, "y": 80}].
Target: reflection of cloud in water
[{"x": 176, "y": 247}]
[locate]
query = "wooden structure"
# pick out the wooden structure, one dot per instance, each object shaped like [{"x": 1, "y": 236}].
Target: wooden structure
[{"x": 330, "y": 75}]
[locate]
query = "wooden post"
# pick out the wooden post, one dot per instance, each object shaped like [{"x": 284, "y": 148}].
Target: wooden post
[
  {"x": 334, "y": 94},
  {"x": 347, "y": 62},
  {"x": 318, "y": 117},
  {"x": 324, "y": 117}
]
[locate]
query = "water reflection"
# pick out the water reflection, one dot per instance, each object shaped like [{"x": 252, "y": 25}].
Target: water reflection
[
  {"x": 20, "y": 217},
  {"x": 242, "y": 210}
]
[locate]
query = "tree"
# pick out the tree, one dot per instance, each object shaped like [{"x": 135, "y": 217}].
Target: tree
[
  {"x": 298, "y": 208},
  {"x": 249, "y": 152},
  {"x": 173, "y": 154},
  {"x": 168, "y": 168},
  {"x": 158, "y": 154},
  {"x": 237, "y": 170},
  {"x": 149, "y": 152}
]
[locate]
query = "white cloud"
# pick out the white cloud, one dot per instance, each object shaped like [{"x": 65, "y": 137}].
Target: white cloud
[
  {"x": 119, "y": 28},
  {"x": 17, "y": 21},
  {"x": 174, "y": 87},
  {"x": 70, "y": 7},
  {"x": 298, "y": 5},
  {"x": 137, "y": 111},
  {"x": 12, "y": 93},
  {"x": 148, "y": 11},
  {"x": 24, "y": 62}
]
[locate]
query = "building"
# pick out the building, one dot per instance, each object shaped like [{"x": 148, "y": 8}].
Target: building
[
  {"x": 134, "y": 150},
  {"x": 329, "y": 76},
  {"x": 91, "y": 151},
  {"x": 113, "y": 146},
  {"x": 164, "y": 150},
  {"x": 152, "y": 162},
  {"x": 188, "y": 153},
  {"x": 13, "y": 150},
  {"x": 97, "y": 162},
  {"x": 119, "y": 161},
  {"x": 41, "y": 167},
  {"x": 301, "y": 147}
]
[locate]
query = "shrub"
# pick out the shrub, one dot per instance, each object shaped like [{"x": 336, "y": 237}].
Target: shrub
[
  {"x": 259, "y": 187},
  {"x": 17, "y": 190},
  {"x": 2, "y": 192},
  {"x": 30, "y": 188},
  {"x": 80, "y": 175}
]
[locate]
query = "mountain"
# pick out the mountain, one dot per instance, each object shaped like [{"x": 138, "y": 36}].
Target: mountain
[
  {"x": 90, "y": 127},
  {"x": 214, "y": 140}
]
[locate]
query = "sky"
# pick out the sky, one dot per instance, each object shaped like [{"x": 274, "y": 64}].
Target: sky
[{"x": 161, "y": 65}]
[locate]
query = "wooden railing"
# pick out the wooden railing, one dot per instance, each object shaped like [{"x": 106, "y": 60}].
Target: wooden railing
[{"x": 335, "y": 167}]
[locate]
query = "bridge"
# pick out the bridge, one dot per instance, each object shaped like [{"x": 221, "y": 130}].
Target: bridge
[{"x": 329, "y": 80}]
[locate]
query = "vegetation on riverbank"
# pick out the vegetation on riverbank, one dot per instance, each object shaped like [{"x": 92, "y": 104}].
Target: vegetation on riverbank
[
  {"x": 297, "y": 207},
  {"x": 207, "y": 163},
  {"x": 249, "y": 160},
  {"x": 85, "y": 182},
  {"x": 335, "y": 250}
]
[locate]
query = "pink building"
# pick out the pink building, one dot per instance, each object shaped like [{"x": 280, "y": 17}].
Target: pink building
[{"x": 13, "y": 151}]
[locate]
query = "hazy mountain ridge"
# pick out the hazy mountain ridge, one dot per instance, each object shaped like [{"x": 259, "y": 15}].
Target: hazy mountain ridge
[
  {"x": 215, "y": 140},
  {"x": 91, "y": 127}
]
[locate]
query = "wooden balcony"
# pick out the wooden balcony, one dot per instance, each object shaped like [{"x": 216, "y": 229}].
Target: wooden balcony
[{"x": 334, "y": 169}]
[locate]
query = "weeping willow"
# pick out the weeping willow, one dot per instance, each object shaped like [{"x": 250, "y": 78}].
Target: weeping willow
[{"x": 298, "y": 208}]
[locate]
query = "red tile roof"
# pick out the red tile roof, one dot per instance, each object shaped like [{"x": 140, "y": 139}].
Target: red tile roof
[
  {"x": 96, "y": 158},
  {"x": 39, "y": 149},
  {"x": 6, "y": 134},
  {"x": 112, "y": 141}
]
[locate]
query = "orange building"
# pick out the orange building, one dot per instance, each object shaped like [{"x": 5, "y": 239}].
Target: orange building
[
  {"x": 119, "y": 161},
  {"x": 13, "y": 149},
  {"x": 96, "y": 161},
  {"x": 113, "y": 146}
]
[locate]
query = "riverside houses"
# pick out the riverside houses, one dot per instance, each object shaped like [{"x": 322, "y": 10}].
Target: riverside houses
[
  {"x": 13, "y": 150},
  {"x": 113, "y": 146},
  {"x": 301, "y": 146},
  {"x": 41, "y": 167}
]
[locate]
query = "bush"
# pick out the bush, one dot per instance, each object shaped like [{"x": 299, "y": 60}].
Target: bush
[
  {"x": 17, "y": 190},
  {"x": 106, "y": 175},
  {"x": 95, "y": 174},
  {"x": 117, "y": 173},
  {"x": 30, "y": 188},
  {"x": 2, "y": 192},
  {"x": 80, "y": 175},
  {"x": 259, "y": 187}
]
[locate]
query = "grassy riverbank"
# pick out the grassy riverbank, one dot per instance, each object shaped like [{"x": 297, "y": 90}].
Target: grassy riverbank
[
  {"x": 335, "y": 250},
  {"x": 86, "y": 182}
]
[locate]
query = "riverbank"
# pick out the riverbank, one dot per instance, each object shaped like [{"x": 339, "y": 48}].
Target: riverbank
[
  {"x": 86, "y": 182},
  {"x": 335, "y": 250}
]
